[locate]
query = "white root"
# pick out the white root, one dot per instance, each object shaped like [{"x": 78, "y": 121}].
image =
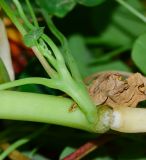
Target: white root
[{"x": 128, "y": 120}]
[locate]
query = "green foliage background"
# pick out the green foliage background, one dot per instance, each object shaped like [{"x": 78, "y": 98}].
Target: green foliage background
[{"x": 102, "y": 35}]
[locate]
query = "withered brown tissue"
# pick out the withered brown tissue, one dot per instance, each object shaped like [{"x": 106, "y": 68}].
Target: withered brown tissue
[{"x": 113, "y": 89}]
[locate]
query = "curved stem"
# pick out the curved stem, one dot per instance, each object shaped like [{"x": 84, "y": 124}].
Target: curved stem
[
  {"x": 54, "y": 48},
  {"x": 20, "y": 142},
  {"x": 47, "y": 53},
  {"x": 22, "y": 14},
  {"x": 62, "y": 69},
  {"x": 32, "y": 13},
  {"x": 56, "y": 84},
  {"x": 14, "y": 19},
  {"x": 22, "y": 30},
  {"x": 66, "y": 50},
  {"x": 44, "y": 63},
  {"x": 12, "y": 147}
]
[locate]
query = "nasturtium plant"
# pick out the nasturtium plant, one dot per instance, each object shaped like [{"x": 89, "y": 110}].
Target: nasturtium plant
[{"x": 77, "y": 84}]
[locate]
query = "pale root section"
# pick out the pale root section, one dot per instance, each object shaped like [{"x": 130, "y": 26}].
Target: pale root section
[
  {"x": 5, "y": 50},
  {"x": 129, "y": 120},
  {"x": 106, "y": 118}
]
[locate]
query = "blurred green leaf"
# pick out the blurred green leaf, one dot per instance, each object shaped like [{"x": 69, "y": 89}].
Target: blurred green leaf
[
  {"x": 66, "y": 151},
  {"x": 60, "y": 8},
  {"x": 123, "y": 26},
  {"x": 111, "y": 66},
  {"x": 81, "y": 54},
  {"x": 139, "y": 53},
  {"x": 57, "y": 7},
  {"x": 90, "y": 2},
  {"x": 110, "y": 55}
]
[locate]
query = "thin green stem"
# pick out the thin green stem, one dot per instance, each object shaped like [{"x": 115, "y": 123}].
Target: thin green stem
[
  {"x": 20, "y": 142},
  {"x": 12, "y": 147},
  {"x": 132, "y": 10},
  {"x": 47, "y": 53},
  {"x": 32, "y": 13},
  {"x": 66, "y": 50},
  {"x": 14, "y": 19},
  {"x": 108, "y": 56},
  {"x": 54, "y": 48},
  {"x": 56, "y": 84},
  {"x": 22, "y": 30},
  {"x": 22, "y": 14},
  {"x": 62, "y": 69},
  {"x": 51, "y": 72}
]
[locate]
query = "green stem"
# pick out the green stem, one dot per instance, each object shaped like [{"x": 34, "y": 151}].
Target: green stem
[
  {"x": 66, "y": 50},
  {"x": 51, "y": 72},
  {"x": 42, "y": 108},
  {"x": 20, "y": 142},
  {"x": 72, "y": 89},
  {"x": 21, "y": 29},
  {"x": 56, "y": 84},
  {"x": 14, "y": 19},
  {"x": 62, "y": 69},
  {"x": 32, "y": 13},
  {"x": 108, "y": 56},
  {"x": 80, "y": 95},
  {"x": 47, "y": 53},
  {"x": 132, "y": 10},
  {"x": 22, "y": 14},
  {"x": 76, "y": 89},
  {"x": 54, "y": 48},
  {"x": 93, "y": 41}
]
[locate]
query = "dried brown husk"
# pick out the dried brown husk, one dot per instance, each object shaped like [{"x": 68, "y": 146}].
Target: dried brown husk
[{"x": 115, "y": 89}]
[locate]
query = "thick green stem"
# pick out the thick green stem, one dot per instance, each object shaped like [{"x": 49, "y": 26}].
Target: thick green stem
[
  {"x": 82, "y": 98},
  {"x": 42, "y": 108},
  {"x": 56, "y": 84}
]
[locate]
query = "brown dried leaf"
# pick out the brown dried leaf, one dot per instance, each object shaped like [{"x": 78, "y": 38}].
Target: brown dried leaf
[{"x": 113, "y": 89}]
